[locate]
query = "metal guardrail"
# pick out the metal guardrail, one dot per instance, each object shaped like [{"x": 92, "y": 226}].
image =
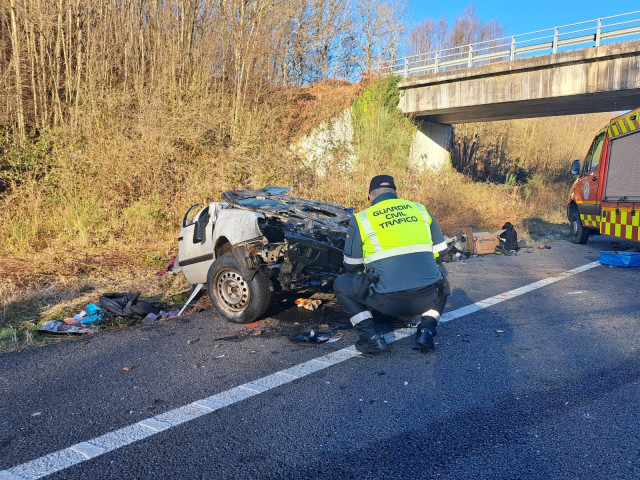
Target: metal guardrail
[{"x": 567, "y": 37}]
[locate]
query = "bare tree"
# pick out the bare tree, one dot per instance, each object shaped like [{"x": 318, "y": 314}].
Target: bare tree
[
  {"x": 467, "y": 28},
  {"x": 395, "y": 28},
  {"x": 428, "y": 36},
  {"x": 329, "y": 21},
  {"x": 16, "y": 60}
]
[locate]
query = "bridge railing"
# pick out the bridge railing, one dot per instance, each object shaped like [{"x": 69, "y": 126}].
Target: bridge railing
[{"x": 596, "y": 32}]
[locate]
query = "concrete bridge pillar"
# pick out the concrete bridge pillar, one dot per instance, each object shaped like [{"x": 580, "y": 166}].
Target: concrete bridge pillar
[{"x": 431, "y": 146}]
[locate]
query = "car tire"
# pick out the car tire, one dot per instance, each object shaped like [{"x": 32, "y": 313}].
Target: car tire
[
  {"x": 236, "y": 299},
  {"x": 579, "y": 234}
]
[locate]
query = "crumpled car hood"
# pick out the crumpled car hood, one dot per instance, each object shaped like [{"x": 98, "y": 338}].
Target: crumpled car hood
[{"x": 273, "y": 201}]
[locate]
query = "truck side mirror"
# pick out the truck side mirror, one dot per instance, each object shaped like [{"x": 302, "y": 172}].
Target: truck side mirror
[{"x": 575, "y": 167}]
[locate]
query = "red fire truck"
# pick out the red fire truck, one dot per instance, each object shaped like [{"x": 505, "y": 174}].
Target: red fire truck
[{"x": 605, "y": 198}]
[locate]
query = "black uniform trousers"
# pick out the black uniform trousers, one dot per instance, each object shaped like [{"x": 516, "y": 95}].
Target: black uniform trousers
[{"x": 355, "y": 297}]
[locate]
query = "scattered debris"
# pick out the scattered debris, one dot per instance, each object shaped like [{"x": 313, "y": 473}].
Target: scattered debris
[
  {"x": 126, "y": 304},
  {"x": 167, "y": 268},
  {"x": 308, "y": 303},
  {"x": 461, "y": 255},
  {"x": 259, "y": 323},
  {"x": 471, "y": 244},
  {"x": 456, "y": 249},
  {"x": 84, "y": 322},
  {"x": 194, "y": 294},
  {"x": 55, "y": 326},
  {"x": 310, "y": 337},
  {"x": 482, "y": 242},
  {"x": 91, "y": 314},
  {"x": 500, "y": 250},
  {"x": 76, "y": 317},
  {"x": 230, "y": 337},
  {"x": 313, "y": 337},
  {"x": 153, "y": 317}
]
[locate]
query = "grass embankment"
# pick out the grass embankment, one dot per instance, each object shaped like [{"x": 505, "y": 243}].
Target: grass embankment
[{"x": 97, "y": 207}]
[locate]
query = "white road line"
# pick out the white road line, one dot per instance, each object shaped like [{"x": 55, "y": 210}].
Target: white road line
[{"x": 83, "y": 451}]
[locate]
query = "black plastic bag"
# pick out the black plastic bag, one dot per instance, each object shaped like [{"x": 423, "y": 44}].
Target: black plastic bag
[
  {"x": 509, "y": 238},
  {"x": 126, "y": 305}
]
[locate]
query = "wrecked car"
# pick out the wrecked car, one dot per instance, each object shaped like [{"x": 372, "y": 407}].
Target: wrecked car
[{"x": 256, "y": 242}]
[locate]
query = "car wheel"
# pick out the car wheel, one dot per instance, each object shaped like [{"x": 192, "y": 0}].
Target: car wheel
[
  {"x": 579, "y": 234},
  {"x": 236, "y": 299}
]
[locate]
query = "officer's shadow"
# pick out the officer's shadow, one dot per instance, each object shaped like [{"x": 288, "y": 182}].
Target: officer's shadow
[{"x": 388, "y": 324}]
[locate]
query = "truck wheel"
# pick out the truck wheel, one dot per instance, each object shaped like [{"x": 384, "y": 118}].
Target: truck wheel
[
  {"x": 236, "y": 299},
  {"x": 579, "y": 234}
]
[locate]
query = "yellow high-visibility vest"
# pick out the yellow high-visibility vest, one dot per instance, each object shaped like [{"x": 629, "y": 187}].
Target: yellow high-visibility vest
[{"x": 394, "y": 227}]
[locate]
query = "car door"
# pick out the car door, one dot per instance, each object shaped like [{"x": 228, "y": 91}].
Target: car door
[{"x": 195, "y": 244}]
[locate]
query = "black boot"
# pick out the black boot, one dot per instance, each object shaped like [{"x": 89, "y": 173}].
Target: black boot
[
  {"x": 370, "y": 341},
  {"x": 426, "y": 332}
]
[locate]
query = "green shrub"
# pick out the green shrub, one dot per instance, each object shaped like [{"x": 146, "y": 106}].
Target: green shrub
[{"x": 382, "y": 133}]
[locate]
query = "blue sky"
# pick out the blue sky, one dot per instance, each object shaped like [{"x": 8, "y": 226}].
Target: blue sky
[{"x": 518, "y": 17}]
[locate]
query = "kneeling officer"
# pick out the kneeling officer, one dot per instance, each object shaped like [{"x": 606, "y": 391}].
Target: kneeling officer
[{"x": 390, "y": 258}]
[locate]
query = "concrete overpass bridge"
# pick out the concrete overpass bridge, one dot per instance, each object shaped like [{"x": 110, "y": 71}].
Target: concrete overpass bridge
[{"x": 589, "y": 69}]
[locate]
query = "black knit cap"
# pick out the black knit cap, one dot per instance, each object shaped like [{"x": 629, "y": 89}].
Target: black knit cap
[{"x": 381, "y": 181}]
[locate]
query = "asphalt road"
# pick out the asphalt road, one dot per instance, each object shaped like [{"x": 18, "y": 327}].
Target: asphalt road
[{"x": 540, "y": 383}]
